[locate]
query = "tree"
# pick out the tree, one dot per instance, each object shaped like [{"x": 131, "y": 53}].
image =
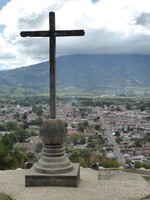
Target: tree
[
  {"x": 119, "y": 139},
  {"x": 10, "y": 157},
  {"x": 82, "y": 112},
  {"x": 80, "y": 127},
  {"x": 75, "y": 138},
  {"x": 95, "y": 143},
  {"x": 118, "y": 108},
  {"x": 25, "y": 125},
  {"x": 97, "y": 127},
  {"x": 109, "y": 163},
  {"x": 86, "y": 159},
  {"x": 3, "y": 154},
  {"x": 21, "y": 134},
  {"x": 85, "y": 124},
  {"x": 82, "y": 162},
  {"x": 117, "y": 133},
  {"x": 128, "y": 107},
  {"x": 17, "y": 155},
  {"x": 142, "y": 107},
  {"x": 82, "y": 140},
  {"x": 74, "y": 156},
  {"x": 86, "y": 154},
  {"x": 38, "y": 110},
  {"x": 9, "y": 140},
  {"x": 17, "y": 116},
  {"x": 24, "y": 159},
  {"x": 11, "y": 125},
  {"x": 38, "y": 121},
  {"x": 25, "y": 116},
  {"x": 138, "y": 142},
  {"x": 2, "y": 127}
]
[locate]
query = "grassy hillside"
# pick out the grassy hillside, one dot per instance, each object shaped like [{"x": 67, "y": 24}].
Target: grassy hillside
[{"x": 105, "y": 74}]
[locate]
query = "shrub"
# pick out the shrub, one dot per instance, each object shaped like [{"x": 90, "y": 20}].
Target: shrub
[{"x": 4, "y": 196}]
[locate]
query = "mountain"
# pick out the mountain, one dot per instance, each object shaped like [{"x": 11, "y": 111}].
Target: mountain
[{"x": 93, "y": 73}]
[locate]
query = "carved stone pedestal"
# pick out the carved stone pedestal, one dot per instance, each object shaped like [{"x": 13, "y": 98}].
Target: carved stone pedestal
[{"x": 53, "y": 169}]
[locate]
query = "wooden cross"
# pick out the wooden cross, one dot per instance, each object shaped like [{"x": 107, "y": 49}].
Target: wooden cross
[{"x": 52, "y": 34}]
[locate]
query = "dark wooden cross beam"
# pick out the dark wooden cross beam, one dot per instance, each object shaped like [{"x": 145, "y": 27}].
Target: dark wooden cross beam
[{"x": 52, "y": 34}]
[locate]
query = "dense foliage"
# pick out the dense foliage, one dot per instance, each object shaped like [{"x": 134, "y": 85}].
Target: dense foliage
[
  {"x": 86, "y": 158},
  {"x": 131, "y": 102},
  {"x": 142, "y": 165},
  {"x": 10, "y": 157}
]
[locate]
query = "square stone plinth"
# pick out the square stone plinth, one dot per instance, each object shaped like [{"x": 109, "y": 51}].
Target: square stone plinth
[{"x": 69, "y": 179}]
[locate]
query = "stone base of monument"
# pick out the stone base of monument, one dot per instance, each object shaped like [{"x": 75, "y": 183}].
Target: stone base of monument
[
  {"x": 53, "y": 168},
  {"x": 68, "y": 179}
]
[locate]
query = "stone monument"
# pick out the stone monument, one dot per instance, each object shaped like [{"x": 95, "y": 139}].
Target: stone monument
[{"x": 54, "y": 168}]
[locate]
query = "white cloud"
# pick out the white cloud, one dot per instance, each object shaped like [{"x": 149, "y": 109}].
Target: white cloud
[{"x": 116, "y": 26}]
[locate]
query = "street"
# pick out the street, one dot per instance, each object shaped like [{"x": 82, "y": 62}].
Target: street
[{"x": 116, "y": 149}]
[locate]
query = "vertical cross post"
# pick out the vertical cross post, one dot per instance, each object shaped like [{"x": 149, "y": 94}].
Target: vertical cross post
[{"x": 52, "y": 64}]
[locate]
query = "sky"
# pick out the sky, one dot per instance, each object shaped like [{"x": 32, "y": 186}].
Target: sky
[{"x": 111, "y": 27}]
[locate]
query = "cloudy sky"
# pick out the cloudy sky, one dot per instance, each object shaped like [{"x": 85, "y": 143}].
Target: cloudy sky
[{"x": 111, "y": 26}]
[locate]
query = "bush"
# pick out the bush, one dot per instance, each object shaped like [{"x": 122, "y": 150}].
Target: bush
[
  {"x": 10, "y": 157},
  {"x": 74, "y": 156},
  {"x": 86, "y": 159},
  {"x": 144, "y": 165},
  {"x": 4, "y": 196}
]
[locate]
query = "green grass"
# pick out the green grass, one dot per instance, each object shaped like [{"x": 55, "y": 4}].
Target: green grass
[
  {"x": 147, "y": 178},
  {"x": 4, "y": 196}
]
